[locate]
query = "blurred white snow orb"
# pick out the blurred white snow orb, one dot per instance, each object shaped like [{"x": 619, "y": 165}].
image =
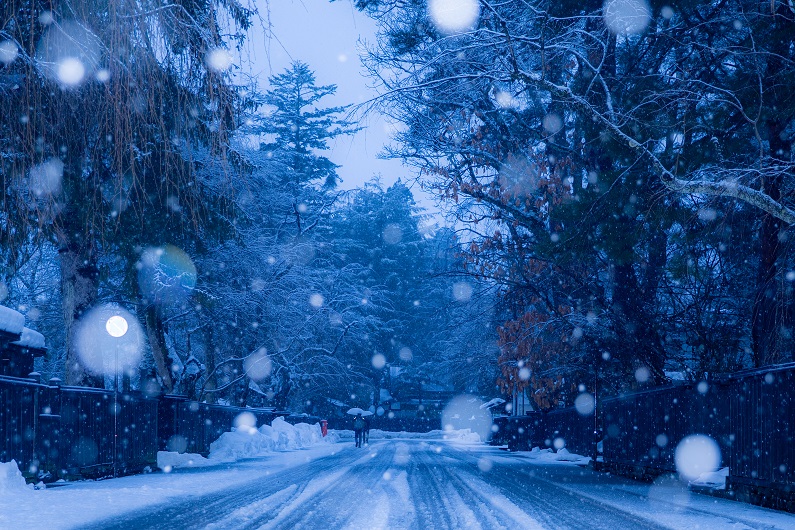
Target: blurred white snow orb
[
  {"x": 505, "y": 100},
  {"x": 585, "y": 404},
  {"x": 46, "y": 178},
  {"x": 392, "y": 234},
  {"x": 258, "y": 365},
  {"x": 316, "y": 300},
  {"x": 108, "y": 334},
  {"x": 465, "y": 412},
  {"x": 552, "y": 123},
  {"x": 626, "y": 17},
  {"x": 462, "y": 291},
  {"x": 166, "y": 274},
  {"x": 695, "y": 455},
  {"x": 71, "y": 71},
  {"x": 68, "y": 52},
  {"x": 559, "y": 443},
  {"x": 177, "y": 444},
  {"x": 116, "y": 326},
  {"x": 379, "y": 361},
  {"x": 453, "y": 16},
  {"x": 642, "y": 374},
  {"x": 8, "y": 51},
  {"x": 668, "y": 493},
  {"x": 405, "y": 354},
  {"x": 218, "y": 59},
  {"x": 246, "y": 422},
  {"x": 485, "y": 464}
]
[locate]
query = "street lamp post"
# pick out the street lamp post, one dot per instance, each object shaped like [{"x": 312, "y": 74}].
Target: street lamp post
[{"x": 116, "y": 326}]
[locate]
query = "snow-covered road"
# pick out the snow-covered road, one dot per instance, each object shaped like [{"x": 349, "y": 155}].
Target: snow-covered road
[{"x": 427, "y": 484}]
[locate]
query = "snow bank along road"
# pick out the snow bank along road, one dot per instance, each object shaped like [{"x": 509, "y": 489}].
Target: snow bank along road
[{"x": 436, "y": 485}]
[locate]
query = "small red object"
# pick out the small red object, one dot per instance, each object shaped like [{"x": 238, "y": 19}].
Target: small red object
[{"x": 324, "y": 427}]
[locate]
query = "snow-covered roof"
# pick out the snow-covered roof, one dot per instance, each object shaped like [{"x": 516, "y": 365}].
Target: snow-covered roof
[
  {"x": 11, "y": 321},
  {"x": 384, "y": 395},
  {"x": 492, "y": 403},
  {"x": 31, "y": 339},
  {"x": 336, "y": 402}
]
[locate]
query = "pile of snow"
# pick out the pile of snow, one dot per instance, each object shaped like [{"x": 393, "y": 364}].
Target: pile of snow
[
  {"x": 714, "y": 480},
  {"x": 11, "y": 321},
  {"x": 11, "y": 480},
  {"x": 168, "y": 460},
  {"x": 461, "y": 435},
  {"x": 246, "y": 441},
  {"x": 562, "y": 455}
]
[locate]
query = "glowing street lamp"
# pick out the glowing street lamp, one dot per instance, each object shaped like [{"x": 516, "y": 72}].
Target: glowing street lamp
[{"x": 117, "y": 327}]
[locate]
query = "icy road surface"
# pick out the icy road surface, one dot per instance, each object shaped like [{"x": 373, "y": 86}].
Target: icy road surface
[{"x": 436, "y": 485}]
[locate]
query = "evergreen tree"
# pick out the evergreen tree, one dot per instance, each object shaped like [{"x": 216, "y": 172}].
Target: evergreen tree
[{"x": 297, "y": 127}]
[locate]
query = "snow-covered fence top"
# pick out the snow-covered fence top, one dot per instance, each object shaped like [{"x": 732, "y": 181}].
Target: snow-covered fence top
[
  {"x": 31, "y": 339},
  {"x": 11, "y": 321}
]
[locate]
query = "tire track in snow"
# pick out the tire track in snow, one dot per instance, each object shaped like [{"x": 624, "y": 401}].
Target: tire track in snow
[
  {"x": 431, "y": 507},
  {"x": 324, "y": 500},
  {"x": 479, "y": 505},
  {"x": 552, "y": 505},
  {"x": 202, "y": 510}
]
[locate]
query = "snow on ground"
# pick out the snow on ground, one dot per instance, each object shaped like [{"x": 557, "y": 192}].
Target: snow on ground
[
  {"x": 66, "y": 506},
  {"x": 667, "y": 502},
  {"x": 400, "y": 483}
]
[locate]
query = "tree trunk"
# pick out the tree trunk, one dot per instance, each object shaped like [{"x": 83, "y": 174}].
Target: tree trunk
[
  {"x": 765, "y": 333},
  {"x": 79, "y": 292},
  {"x": 157, "y": 342},
  {"x": 209, "y": 362},
  {"x": 766, "y": 319},
  {"x": 637, "y": 335}
]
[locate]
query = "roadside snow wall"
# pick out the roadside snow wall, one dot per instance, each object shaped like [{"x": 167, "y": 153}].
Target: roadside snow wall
[{"x": 249, "y": 442}]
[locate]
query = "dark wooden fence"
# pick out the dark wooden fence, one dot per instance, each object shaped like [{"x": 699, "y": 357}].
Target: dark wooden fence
[
  {"x": 642, "y": 430},
  {"x": 750, "y": 416},
  {"x": 761, "y": 455},
  {"x": 18, "y": 420},
  {"x": 55, "y": 431},
  {"x": 556, "y": 428}
]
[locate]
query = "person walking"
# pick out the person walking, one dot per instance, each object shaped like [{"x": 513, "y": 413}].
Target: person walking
[
  {"x": 358, "y": 429},
  {"x": 366, "y": 432}
]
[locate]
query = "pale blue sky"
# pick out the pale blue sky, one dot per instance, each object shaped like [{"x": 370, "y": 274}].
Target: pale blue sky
[{"x": 325, "y": 35}]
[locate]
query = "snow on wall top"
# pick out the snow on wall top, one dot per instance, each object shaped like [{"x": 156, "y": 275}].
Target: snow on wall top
[
  {"x": 11, "y": 321},
  {"x": 31, "y": 339}
]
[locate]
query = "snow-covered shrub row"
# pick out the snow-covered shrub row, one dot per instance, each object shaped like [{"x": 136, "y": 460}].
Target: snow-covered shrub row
[{"x": 246, "y": 441}]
